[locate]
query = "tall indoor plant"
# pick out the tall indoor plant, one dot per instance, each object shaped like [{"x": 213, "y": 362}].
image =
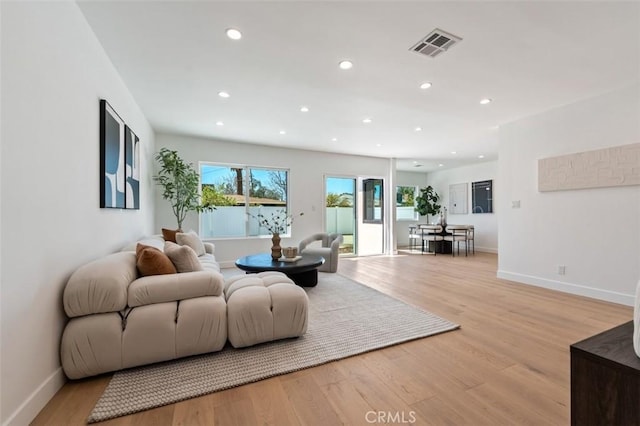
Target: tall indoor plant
[
  {"x": 427, "y": 202},
  {"x": 179, "y": 181}
]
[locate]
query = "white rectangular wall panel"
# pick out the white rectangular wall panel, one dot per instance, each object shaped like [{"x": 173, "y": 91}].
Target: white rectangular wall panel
[
  {"x": 458, "y": 198},
  {"x": 615, "y": 166}
]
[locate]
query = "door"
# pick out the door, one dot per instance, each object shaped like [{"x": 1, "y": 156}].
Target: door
[
  {"x": 340, "y": 211},
  {"x": 371, "y": 218}
]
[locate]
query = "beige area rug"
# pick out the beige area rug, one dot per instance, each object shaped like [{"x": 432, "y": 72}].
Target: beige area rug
[{"x": 345, "y": 318}]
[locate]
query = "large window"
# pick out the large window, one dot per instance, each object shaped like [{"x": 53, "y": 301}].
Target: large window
[
  {"x": 240, "y": 194},
  {"x": 406, "y": 203}
]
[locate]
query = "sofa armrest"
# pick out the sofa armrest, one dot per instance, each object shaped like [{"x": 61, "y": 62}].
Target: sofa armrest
[
  {"x": 100, "y": 286},
  {"x": 209, "y": 248},
  {"x": 172, "y": 287},
  {"x": 304, "y": 243},
  {"x": 335, "y": 244}
]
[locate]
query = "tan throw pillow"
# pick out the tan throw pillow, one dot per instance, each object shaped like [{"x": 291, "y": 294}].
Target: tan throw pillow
[
  {"x": 151, "y": 261},
  {"x": 183, "y": 257},
  {"x": 192, "y": 240},
  {"x": 169, "y": 234}
]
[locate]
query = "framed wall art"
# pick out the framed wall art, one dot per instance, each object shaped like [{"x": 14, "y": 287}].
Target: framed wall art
[
  {"x": 482, "y": 196},
  {"x": 458, "y": 198},
  {"x": 112, "y": 161},
  {"x": 132, "y": 169}
]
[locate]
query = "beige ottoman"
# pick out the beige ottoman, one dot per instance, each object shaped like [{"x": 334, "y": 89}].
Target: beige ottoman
[{"x": 264, "y": 307}]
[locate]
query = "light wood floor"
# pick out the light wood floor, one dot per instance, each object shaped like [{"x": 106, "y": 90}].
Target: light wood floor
[{"x": 507, "y": 365}]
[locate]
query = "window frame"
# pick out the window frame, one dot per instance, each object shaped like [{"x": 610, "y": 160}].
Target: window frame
[
  {"x": 247, "y": 196},
  {"x": 369, "y": 200}
]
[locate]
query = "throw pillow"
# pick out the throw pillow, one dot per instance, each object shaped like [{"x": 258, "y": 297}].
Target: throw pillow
[
  {"x": 183, "y": 257},
  {"x": 151, "y": 261},
  {"x": 192, "y": 240},
  {"x": 169, "y": 234}
]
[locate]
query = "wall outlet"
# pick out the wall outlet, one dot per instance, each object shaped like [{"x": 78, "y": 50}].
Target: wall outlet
[{"x": 561, "y": 269}]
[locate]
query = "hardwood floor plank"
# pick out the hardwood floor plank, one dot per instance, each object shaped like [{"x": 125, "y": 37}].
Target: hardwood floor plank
[
  {"x": 309, "y": 402},
  {"x": 194, "y": 412},
  {"x": 237, "y": 413},
  {"x": 508, "y": 364},
  {"x": 271, "y": 404}
]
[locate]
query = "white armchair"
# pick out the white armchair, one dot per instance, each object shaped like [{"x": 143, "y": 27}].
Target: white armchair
[{"x": 329, "y": 249}]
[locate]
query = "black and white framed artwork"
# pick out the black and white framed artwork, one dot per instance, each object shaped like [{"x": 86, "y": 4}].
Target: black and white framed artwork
[
  {"x": 482, "y": 196},
  {"x": 132, "y": 169},
  {"x": 112, "y": 161}
]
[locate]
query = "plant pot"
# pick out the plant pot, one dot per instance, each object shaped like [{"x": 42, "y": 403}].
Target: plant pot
[{"x": 276, "y": 250}]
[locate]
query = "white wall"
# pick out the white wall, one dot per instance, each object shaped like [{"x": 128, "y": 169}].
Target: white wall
[
  {"x": 54, "y": 73},
  {"x": 486, "y": 225},
  {"x": 306, "y": 179},
  {"x": 595, "y": 233}
]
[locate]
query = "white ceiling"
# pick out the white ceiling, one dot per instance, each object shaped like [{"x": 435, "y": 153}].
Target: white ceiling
[{"x": 527, "y": 56}]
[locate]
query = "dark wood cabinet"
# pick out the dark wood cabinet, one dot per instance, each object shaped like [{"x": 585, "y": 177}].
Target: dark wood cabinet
[{"x": 605, "y": 379}]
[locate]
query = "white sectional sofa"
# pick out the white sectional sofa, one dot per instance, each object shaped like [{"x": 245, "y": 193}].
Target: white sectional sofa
[{"x": 120, "y": 320}]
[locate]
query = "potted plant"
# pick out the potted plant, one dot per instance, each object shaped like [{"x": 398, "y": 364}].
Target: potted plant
[
  {"x": 180, "y": 182},
  {"x": 427, "y": 202}
]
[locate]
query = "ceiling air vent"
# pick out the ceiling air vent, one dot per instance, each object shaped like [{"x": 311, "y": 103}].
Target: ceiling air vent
[{"x": 436, "y": 42}]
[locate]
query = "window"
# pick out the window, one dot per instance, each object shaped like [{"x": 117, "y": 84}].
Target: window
[
  {"x": 240, "y": 193},
  {"x": 406, "y": 203},
  {"x": 372, "y": 189}
]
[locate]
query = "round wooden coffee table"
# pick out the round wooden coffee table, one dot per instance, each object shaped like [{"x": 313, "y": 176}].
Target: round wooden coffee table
[{"x": 303, "y": 271}]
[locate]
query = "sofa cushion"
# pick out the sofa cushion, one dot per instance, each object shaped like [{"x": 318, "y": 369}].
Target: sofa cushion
[
  {"x": 169, "y": 234},
  {"x": 182, "y": 257},
  {"x": 100, "y": 286},
  {"x": 264, "y": 307},
  {"x": 192, "y": 240},
  {"x": 167, "y": 288},
  {"x": 151, "y": 261}
]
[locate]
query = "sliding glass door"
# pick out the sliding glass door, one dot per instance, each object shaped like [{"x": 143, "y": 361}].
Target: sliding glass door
[{"x": 340, "y": 211}]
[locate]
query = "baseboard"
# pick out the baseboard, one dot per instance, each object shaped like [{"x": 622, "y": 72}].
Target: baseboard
[
  {"x": 580, "y": 290},
  {"x": 487, "y": 250},
  {"x": 29, "y": 409}
]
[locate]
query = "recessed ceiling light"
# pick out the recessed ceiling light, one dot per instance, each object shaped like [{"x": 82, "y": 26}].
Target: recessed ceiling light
[
  {"x": 453, "y": 152},
  {"x": 440, "y": 165},
  {"x": 304, "y": 109},
  {"x": 219, "y": 123},
  {"x": 345, "y": 65},
  {"x": 418, "y": 129},
  {"x": 480, "y": 156},
  {"x": 378, "y": 144},
  {"x": 415, "y": 162},
  {"x": 366, "y": 121},
  {"x": 282, "y": 132},
  {"x": 334, "y": 139},
  {"x": 426, "y": 85},
  {"x": 234, "y": 34},
  {"x": 485, "y": 101},
  {"x": 223, "y": 94}
]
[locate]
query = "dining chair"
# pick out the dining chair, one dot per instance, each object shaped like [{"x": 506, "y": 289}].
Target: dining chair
[
  {"x": 455, "y": 234},
  {"x": 431, "y": 233},
  {"x": 414, "y": 236},
  {"x": 470, "y": 238}
]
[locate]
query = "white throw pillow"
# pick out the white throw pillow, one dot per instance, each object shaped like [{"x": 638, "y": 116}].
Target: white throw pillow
[
  {"x": 182, "y": 257},
  {"x": 192, "y": 240},
  {"x": 636, "y": 322}
]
